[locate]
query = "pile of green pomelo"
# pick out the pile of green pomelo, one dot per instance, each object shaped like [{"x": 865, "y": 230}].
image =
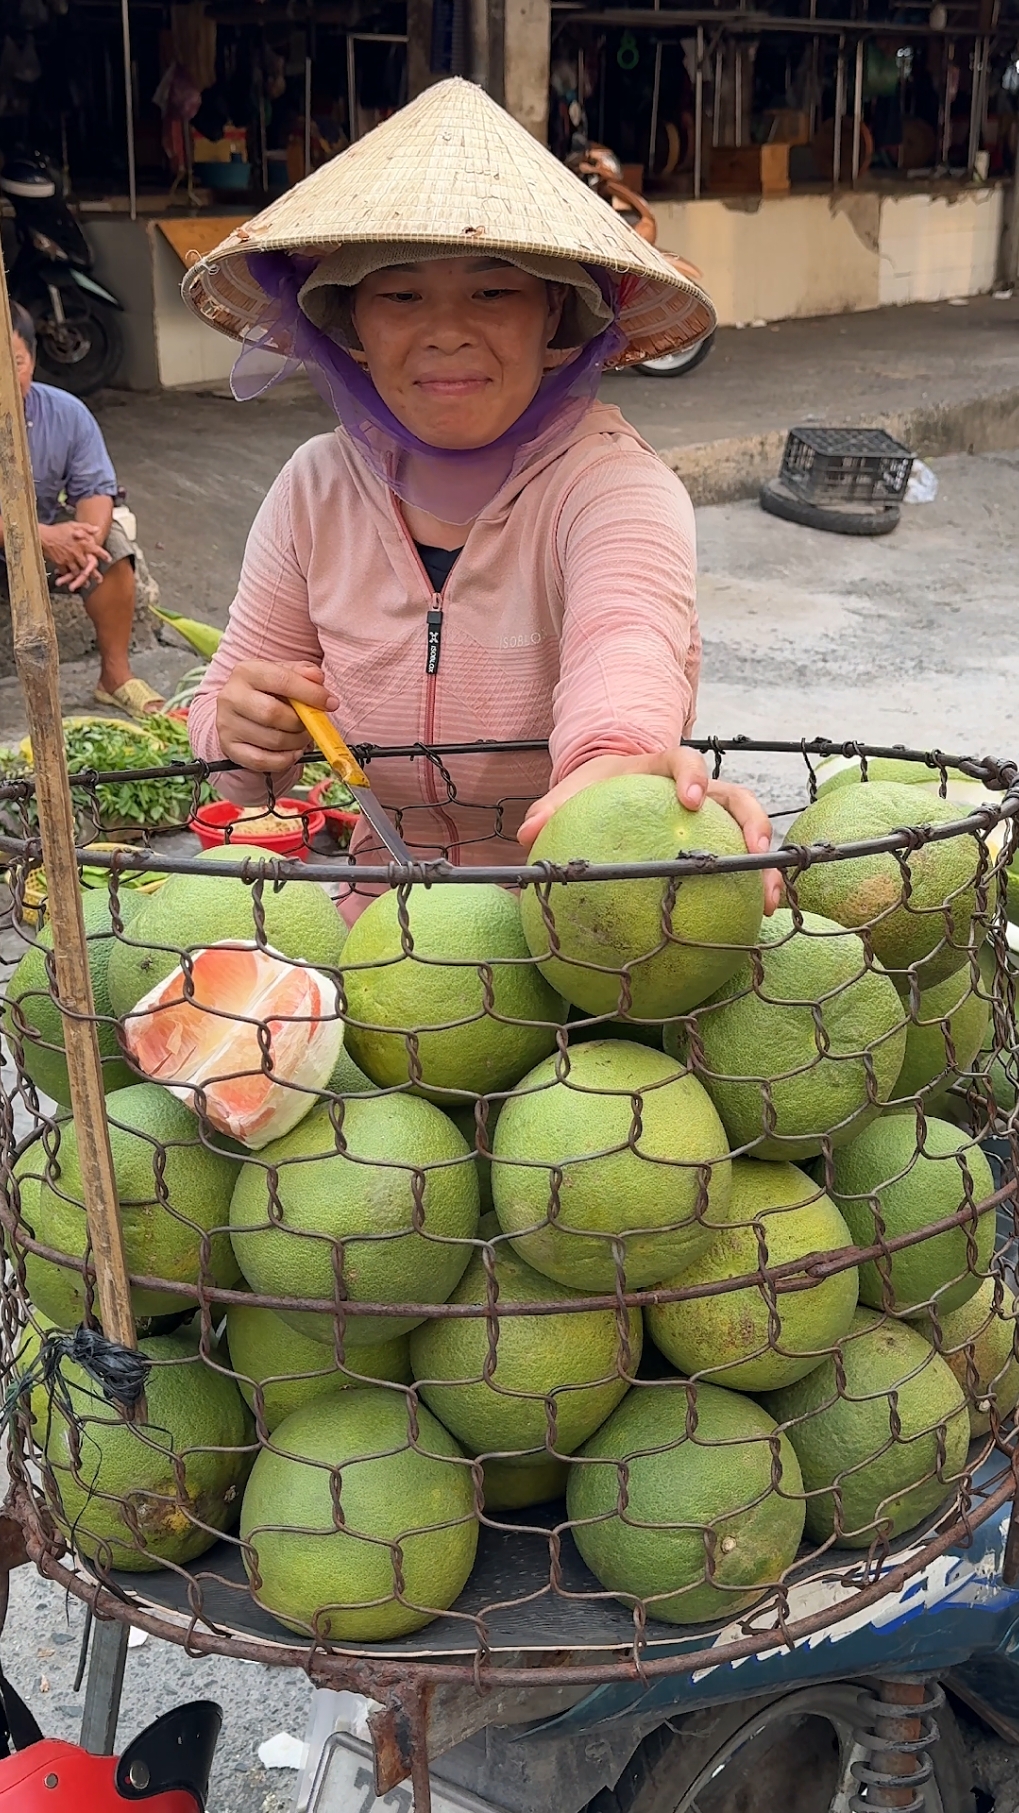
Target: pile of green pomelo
[{"x": 531, "y": 1100}]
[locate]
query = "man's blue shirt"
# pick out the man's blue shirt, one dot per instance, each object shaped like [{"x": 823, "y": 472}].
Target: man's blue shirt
[{"x": 67, "y": 451}]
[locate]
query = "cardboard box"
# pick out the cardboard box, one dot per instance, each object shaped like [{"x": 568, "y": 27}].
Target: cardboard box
[{"x": 749, "y": 170}]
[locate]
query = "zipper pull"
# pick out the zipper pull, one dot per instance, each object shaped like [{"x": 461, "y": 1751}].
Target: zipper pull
[{"x": 434, "y": 621}]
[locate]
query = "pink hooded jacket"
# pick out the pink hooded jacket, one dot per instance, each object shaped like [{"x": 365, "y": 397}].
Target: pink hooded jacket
[{"x": 570, "y": 615}]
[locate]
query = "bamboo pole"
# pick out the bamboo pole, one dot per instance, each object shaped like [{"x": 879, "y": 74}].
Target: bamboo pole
[{"x": 35, "y": 652}]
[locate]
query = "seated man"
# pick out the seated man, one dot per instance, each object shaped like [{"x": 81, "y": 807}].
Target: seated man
[{"x": 86, "y": 551}]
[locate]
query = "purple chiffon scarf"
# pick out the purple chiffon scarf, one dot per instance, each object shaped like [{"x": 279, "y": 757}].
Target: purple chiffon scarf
[{"x": 452, "y": 484}]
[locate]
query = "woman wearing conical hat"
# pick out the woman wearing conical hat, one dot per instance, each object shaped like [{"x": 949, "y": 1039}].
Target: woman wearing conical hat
[{"x": 481, "y": 549}]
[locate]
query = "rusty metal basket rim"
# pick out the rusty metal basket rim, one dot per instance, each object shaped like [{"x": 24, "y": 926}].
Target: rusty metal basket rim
[
  {"x": 785, "y": 1277},
  {"x": 795, "y": 858},
  {"x": 337, "y": 1664},
  {"x": 791, "y": 857}
]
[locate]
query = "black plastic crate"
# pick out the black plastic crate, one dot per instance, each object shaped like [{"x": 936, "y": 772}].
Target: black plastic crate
[{"x": 846, "y": 464}]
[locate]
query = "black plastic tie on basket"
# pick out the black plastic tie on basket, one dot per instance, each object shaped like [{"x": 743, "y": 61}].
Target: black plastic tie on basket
[{"x": 120, "y": 1372}]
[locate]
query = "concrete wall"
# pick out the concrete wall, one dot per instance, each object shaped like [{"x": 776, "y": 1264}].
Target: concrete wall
[
  {"x": 187, "y": 350},
  {"x": 813, "y": 254},
  {"x": 932, "y": 247},
  {"x": 525, "y": 63}
]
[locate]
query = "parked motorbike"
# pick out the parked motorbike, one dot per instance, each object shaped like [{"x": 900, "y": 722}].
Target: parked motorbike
[
  {"x": 80, "y": 344},
  {"x": 600, "y": 168}
]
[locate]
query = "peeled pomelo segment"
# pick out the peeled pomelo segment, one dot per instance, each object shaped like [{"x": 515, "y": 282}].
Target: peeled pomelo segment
[{"x": 257, "y": 1035}]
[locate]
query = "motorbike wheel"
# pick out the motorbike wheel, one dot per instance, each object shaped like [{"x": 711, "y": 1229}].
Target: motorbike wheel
[
  {"x": 82, "y": 354},
  {"x": 676, "y": 365},
  {"x": 793, "y": 1753}
]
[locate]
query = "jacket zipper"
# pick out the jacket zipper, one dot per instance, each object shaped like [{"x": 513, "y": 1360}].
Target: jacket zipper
[{"x": 433, "y": 649}]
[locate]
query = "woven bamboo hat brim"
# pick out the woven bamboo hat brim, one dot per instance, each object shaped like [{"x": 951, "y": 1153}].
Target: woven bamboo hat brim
[{"x": 454, "y": 169}]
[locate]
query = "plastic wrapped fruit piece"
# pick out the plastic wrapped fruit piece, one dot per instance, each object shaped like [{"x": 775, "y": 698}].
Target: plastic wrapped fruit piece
[
  {"x": 711, "y": 1513},
  {"x": 600, "y": 941},
  {"x": 616, "y": 1151},
  {"x": 190, "y": 912},
  {"x": 802, "y": 1044},
  {"x": 882, "y": 1450},
  {"x": 360, "y": 1526},
  {"x": 246, "y": 1038}
]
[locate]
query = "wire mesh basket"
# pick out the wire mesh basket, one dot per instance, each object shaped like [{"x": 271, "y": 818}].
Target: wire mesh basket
[
  {"x": 537, "y": 1264},
  {"x": 850, "y": 465}
]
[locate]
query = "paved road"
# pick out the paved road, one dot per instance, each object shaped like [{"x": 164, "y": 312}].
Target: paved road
[{"x": 908, "y": 639}]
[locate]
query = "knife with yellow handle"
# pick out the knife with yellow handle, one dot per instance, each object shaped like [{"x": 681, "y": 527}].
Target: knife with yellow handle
[{"x": 344, "y": 764}]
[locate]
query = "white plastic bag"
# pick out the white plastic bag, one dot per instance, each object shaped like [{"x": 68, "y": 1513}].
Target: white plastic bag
[{"x": 923, "y": 485}]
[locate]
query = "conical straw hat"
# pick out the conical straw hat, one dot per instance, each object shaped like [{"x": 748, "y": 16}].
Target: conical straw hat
[{"x": 453, "y": 169}]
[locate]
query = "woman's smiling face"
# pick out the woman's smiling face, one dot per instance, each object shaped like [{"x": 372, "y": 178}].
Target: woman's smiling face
[{"x": 456, "y": 346}]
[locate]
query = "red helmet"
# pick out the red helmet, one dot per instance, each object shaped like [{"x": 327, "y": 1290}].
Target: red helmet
[{"x": 165, "y": 1770}]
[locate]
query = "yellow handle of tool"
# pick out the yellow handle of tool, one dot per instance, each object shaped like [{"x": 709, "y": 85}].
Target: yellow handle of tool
[{"x": 329, "y": 740}]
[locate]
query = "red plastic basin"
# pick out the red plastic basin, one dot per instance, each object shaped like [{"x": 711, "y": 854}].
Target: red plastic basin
[{"x": 211, "y": 823}]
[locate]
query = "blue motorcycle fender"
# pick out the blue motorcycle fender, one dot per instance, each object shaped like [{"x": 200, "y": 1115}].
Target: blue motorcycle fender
[
  {"x": 955, "y": 1608},
  {"x": 85, "y": 282}
]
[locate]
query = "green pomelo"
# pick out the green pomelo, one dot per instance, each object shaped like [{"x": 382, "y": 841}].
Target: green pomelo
[
  {"x": 944, "y": 1033},
  {"x": 470, "y": 994},
  {"x": 190, "y": 912},
  {"x": 403, "y": 1507},
  {"x": 62, "y": 1289},
  {"x": 363, "y": 1197},
  {"x": 293, "y": 1370},
  {"x": 198, "y": 1424},
  {"x": 609, "y": 933},
  {"x": 888, "y": 768},
  {"x": 978, "y": 1341},
  {"x": 728, "y": 1338},
  {"x": 347, "y": 1078},
  {"x": 514, "y": 1485},
  {"x": 572, "y": 1365},
  {"x": 792, "y": 1035},
  {"x": 885, "y": 1471},
  {"x": 653, "y": 1545},
  {"x": 573, "y": 1175},
  {"x": 911, "y": 1190},
  {"x": 997, "y": 1068},
  {"x": 174, "y": 1192},
  {"x": 935, "y": 928},
  {"x": 465, "y": 1120},
  {"x": 32, "y": 1019}
]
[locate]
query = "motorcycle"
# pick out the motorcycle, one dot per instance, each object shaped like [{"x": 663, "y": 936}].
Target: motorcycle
[
  {"x": 79, "y": 340},
  {"x": 601, "y": 170},
  {"x": 166, "y": 1767}
]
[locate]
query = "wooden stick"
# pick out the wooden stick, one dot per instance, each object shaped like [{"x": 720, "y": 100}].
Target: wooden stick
[{"x": 38, "y": 663}]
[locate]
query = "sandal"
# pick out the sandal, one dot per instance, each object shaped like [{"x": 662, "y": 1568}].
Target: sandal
[{"x": 136, "y": 697}]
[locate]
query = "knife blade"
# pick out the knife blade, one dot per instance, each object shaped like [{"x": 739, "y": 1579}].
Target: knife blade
[{"x": 344, "y": 764}]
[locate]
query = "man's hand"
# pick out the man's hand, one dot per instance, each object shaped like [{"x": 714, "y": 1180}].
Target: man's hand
[
  {"x": 257, "y": 728},
  {"x": 693, "y": 786},
  {"x": 75, "y": 550}
]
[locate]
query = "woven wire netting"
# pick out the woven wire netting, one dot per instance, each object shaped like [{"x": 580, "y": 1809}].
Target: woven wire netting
[{"x": 569, "y": 1264}]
